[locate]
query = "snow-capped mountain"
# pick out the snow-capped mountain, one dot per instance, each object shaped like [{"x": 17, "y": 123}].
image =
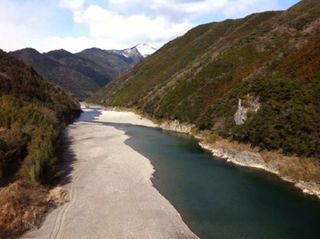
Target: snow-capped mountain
[
  {"x": 131, "y": 52},
  {"x": 145, "y": 49},
  {"x": 141, "y": 50}
]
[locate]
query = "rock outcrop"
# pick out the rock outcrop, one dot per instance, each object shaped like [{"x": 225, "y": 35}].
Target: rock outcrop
[
  {"x": 243, "y": 158},
  {"x": 176, "y": 126},
  {"x": 241, "y": 115},
  {"x": 249, "y": 105}
]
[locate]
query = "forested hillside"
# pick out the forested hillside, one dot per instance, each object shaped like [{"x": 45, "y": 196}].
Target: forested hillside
[
  {"x": 33, "y": 113},
  {"x": 255, "y": 80}
]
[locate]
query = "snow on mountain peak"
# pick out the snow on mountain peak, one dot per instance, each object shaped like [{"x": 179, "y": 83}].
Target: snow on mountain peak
[
  {"x": 130, "y": 52},
  {"x": 145, "y": 49},
  {"x": 140, "y": 50}
]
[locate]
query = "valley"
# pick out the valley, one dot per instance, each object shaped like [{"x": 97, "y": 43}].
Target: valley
[
  {"x": 208, "y": 128},
  {"x": 143, "y": 161}
]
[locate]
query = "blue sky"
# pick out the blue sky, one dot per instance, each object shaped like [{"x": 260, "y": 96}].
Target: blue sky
[{"x": 113, "y": 24}]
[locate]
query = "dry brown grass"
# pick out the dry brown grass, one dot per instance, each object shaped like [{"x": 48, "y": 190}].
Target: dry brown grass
[
  {"x": 209, "y": 137},
  {"x": 22, "y": 207},
  {"x": 298, "y": 168},
  {"x": 225, "y": 143},
  {"x": 302, "y": 169}
]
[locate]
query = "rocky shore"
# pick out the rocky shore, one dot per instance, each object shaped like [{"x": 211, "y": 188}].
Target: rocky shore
[{"x": 255, "y": 160}]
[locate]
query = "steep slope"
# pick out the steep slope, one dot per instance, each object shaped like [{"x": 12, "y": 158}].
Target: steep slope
[
  {"x": 33, "y": 113},
  {"x": 255, "y": 80}
]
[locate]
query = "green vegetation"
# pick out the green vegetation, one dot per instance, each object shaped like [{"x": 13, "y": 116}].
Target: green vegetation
[
  {"x": 287, "y": 120},
  {"x": 33, "y": 113},
  {"x": 198, "y": 78}
]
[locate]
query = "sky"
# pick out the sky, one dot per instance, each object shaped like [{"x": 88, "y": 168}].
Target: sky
[{"x": 75, "y": 25}]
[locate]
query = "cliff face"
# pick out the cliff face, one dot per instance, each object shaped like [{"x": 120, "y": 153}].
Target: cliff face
[
  {"x": 270, "y": 57},
  {"x": 176, "y": 126},
  {"x": 248, "y": 106},
  {"x": 241, "y": 115}
]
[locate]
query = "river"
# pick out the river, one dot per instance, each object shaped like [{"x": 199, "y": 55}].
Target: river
[
  {"x": 110, "y": 194},
  {"x": 219, "y": 200}
]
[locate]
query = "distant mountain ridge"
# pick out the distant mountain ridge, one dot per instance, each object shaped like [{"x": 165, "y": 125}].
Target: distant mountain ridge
[{"x": 85, "y": 72}]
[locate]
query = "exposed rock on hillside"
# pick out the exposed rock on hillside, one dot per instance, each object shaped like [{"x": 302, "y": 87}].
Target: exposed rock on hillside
[{"x": 246, "y": 106}]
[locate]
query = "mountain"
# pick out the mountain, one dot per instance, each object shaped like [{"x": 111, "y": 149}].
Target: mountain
[
  {"x": 33, "y": 113},
  {"x": 254, "y": 80},
  {"x": 145, "y": 49},
  {"x": 74, "y": 63},
  {"x": 113, "y": 61},
  {"x": 82, "y": 73},
  {"x": 69, "y": 79}
]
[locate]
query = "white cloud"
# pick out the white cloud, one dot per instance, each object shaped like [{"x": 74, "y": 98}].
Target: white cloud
[
  {"x": 111, "y": 29},
  {"x": 73, "y": 5},
  {"x": 19, "y": 28},
  {"x": 153, "y": 21},
  {"x": 127, "y": 31},
  {"x": 191, "y": 9},
  {"x": 119, "y": 24}
]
